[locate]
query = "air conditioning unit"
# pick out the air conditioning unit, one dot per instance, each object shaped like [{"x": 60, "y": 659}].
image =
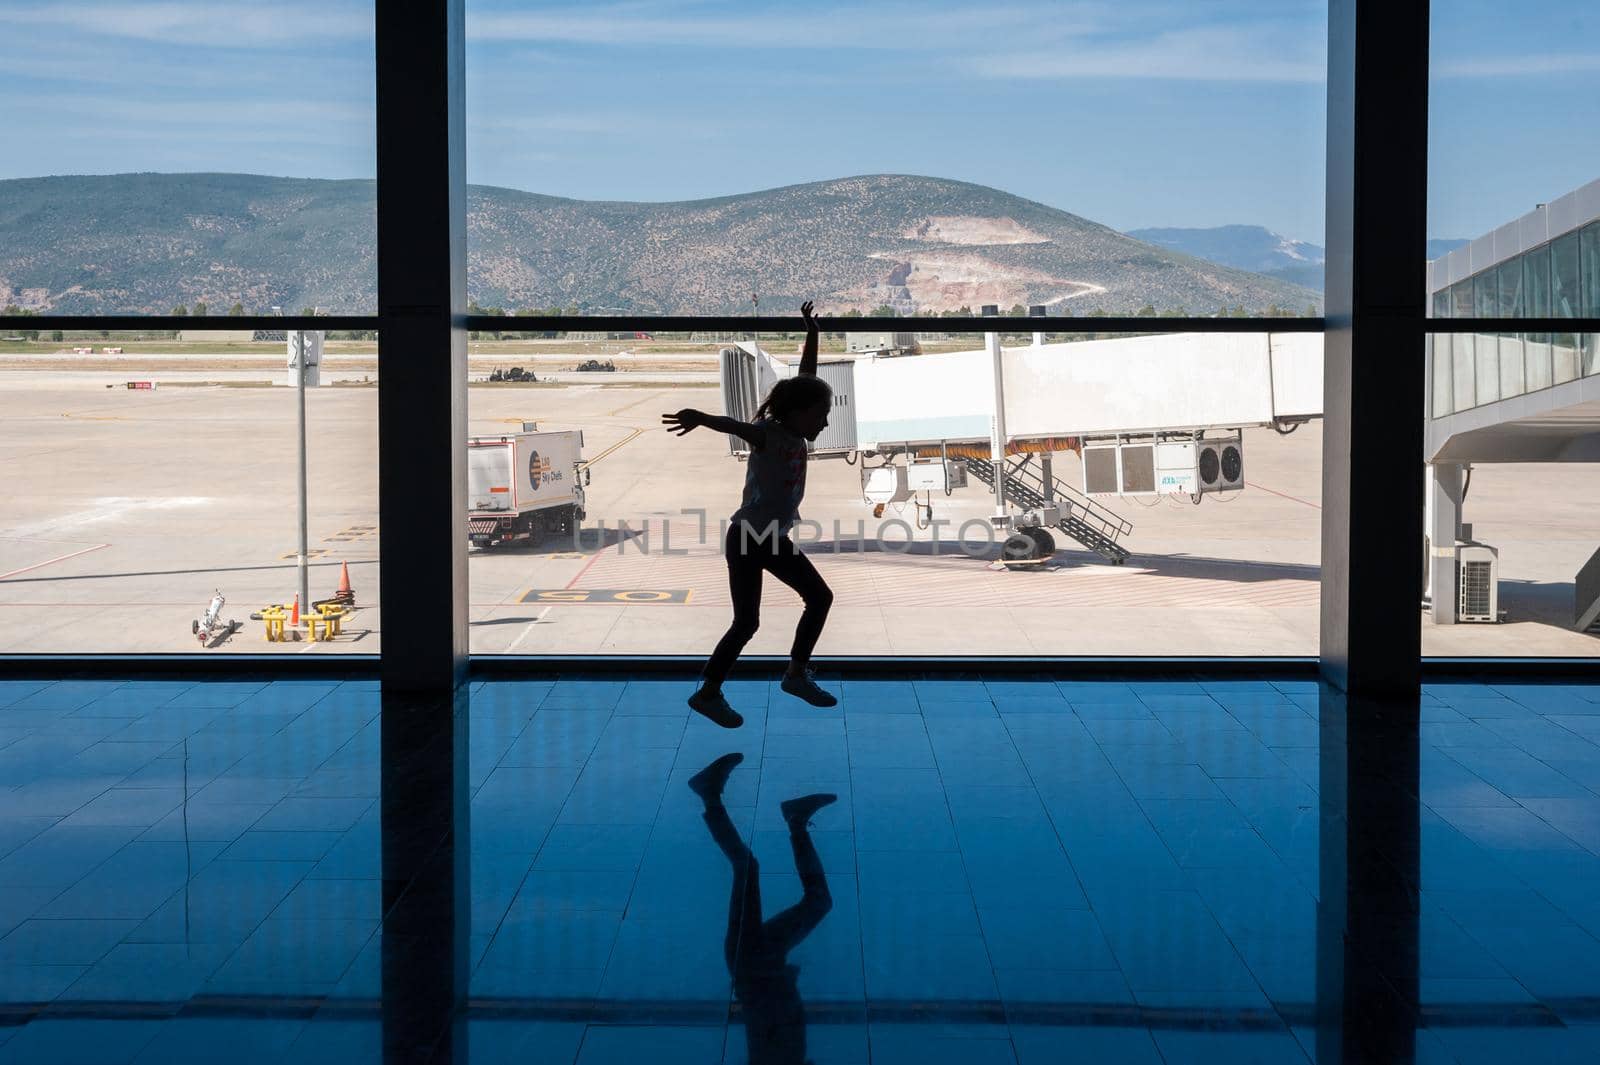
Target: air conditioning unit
[
  {"x": 1163, "y": 467},
  {"x": 1477, "y": 583},
  {"x": 1219, "y": 464}
]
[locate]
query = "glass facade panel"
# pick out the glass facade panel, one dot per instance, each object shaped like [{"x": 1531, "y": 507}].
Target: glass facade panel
[
  {"x": 1566, "y": 296},
  {"x": 1536, "y": 304},
  {"x": 1441, "y": 303},
  {"x": 1461, "y": 299},
  {"x": 1591, "y": 296},
  {"x": 1508, "y": 304},
  {"x": 1591, "y": 270},
  {"x": 1465, "y": 369},
  {"x": 1442, "y": 384},
  {"x": 1565, "y": 302},
  {"x": 1485, "y": 304}
]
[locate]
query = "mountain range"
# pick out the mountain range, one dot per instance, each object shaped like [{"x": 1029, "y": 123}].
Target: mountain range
[
  {"x": 1259, "y": 250},
  {"x": 146, "y": 243}
]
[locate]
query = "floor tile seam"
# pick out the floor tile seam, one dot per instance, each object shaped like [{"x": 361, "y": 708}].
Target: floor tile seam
[
  {"x": 855, "y": 853},
  {"x": 533, "y": 858},
  {"x": 638, "y": 871},
  {"x": 983, "y": 936}
]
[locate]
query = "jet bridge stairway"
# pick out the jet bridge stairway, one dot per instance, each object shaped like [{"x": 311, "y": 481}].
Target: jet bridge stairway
[{"x": 1082, "y": 518}]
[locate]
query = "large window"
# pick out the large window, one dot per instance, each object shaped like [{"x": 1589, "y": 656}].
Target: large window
[
  {"x": 192, "y": 159},
  {"x": 1505, "y": 442},
  {"x": 149, "y": 473},
  {"x": 1162, "y": 544},
  {"x": 924, "y": 159}
]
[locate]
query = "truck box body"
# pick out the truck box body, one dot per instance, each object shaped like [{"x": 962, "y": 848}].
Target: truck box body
[{"x": 512, "y": 478}]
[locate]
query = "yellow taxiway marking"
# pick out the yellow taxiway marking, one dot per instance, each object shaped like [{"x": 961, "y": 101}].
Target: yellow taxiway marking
[{"x": 630, "y": 438}]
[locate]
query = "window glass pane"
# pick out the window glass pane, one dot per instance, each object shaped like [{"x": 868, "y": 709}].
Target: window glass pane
[
  {"x": 1565, "y": 295},
  {"x": 1485, "y": 301},
  {"x": 1591, "y": 271},
  {"x": 1536, "y": 304},
  {"x": 1441, "y": 303},
  {"x": 1442, "y": 384},
  {"x": 1563, "y": 357},
  {"x": 1565, "y": 300},
  {"x": 1461, "y": 300},
  {"x": 641, "y": 569},
  {"x": 195, "y": 158},
  {"x": 675, "y": 157},
  {"x": 1536, "y": 283},
  {"x": 1486, "y": 295},
  {"x": 1508, "y": 83},
  {"x": 1508, "y": 302},
  {"x": 1464, "y": 369},
  {"x": 164, "y": 472}
]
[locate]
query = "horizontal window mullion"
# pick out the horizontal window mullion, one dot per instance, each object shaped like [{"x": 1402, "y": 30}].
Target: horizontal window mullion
[
  {"x": 791, "y": 324},
  {"x": 1512, "y": 325},
  {"x": 124, "y": 323}
]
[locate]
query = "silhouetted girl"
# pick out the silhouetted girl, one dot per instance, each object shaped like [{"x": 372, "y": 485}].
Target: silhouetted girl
[{"x": 795, "y": 411}]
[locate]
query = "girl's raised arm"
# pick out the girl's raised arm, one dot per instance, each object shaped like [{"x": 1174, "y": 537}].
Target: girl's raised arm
[{"x": 808, "y": 356}]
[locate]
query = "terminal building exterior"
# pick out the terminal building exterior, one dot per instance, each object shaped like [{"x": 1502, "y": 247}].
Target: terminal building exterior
[{"x": 1498, "y": 397}]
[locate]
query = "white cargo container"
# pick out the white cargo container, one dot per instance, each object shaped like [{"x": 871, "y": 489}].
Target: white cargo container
[{"x": 524, "y": 486}]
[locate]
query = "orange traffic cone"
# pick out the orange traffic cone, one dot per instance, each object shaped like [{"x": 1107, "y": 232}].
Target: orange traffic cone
[
  {"x": 345, "y": 594},
  {"x": 294, "y": 618}
]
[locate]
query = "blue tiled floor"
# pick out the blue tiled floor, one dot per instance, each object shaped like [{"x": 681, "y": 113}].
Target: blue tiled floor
[{"x": 1008, "y": 870}]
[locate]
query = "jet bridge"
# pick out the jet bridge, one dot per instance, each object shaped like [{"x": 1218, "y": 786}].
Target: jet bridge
[{"x": 1132, "y": 395}]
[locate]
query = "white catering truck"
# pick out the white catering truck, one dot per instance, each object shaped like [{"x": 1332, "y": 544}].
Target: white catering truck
[{"x": 524, "y": 486}]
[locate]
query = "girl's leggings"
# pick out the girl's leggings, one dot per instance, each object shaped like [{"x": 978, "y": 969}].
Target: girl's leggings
[{"x": 749, "y": 554}]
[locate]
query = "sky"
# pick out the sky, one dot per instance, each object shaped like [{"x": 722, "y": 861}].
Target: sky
[{"x": 1132, "y": 113}]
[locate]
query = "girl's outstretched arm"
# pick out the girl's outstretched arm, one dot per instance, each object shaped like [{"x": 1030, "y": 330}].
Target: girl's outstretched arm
[
  {"x": 688, "y": 419},
  {"x": 808, "y": 356}
]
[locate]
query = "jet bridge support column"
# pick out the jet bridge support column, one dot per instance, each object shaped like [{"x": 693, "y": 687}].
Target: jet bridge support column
[
  {"x": 997, "y": 427},
  {"x": 1444, "y": 528}
]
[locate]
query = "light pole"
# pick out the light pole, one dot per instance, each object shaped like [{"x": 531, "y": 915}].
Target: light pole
[{"x": 305, "y": 359}]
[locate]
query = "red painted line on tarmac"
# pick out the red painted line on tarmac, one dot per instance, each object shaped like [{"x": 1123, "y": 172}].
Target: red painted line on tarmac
[
  {"x": 592, "y": 560},
  {"x": 1284, "y": 495},
  {"x": 51, "y": 562}
]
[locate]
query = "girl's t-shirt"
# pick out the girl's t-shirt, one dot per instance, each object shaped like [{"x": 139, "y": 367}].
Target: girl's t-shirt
[{"x": 774, "y": 480}]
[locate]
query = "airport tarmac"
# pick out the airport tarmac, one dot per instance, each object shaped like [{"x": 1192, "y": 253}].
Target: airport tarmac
[{"x": 125, "y": 510}]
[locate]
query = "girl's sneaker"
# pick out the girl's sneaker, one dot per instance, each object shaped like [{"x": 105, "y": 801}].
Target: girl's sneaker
[
  {"x": 805, "y": 687},
  {"x": 714, "y": 708}
]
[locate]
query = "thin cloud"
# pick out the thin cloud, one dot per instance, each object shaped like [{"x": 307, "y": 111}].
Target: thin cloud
[
  {"x": 213, "y": 23},
  {"x": 1517, "y": 66},
  {"x": 1255, "y": 54},
  {"x": 880, "y": 27}
]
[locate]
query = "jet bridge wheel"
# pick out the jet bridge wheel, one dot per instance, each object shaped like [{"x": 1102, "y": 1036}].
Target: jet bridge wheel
[
  {"x": 1044, "y": 543},
  {"x": 1019, "y": 547}
]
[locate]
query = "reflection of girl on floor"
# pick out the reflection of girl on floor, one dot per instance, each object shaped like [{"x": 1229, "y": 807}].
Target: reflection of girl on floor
[
  {"x": 757, "y": 951},
  {"x": 794, "y": 412}
]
